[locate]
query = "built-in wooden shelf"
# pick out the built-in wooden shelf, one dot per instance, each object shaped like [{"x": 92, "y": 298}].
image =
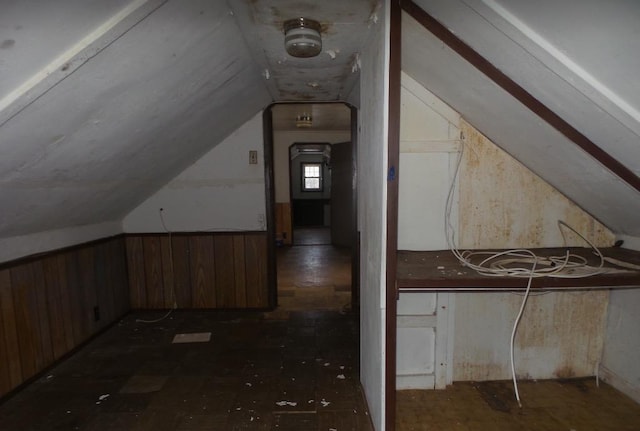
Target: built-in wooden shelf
[{"x": 441, "y": 271}]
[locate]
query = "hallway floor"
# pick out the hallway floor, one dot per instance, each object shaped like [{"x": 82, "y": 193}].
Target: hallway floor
[
  {"x": 314, "y": 277},
  {"x": 550, "y": 405}
]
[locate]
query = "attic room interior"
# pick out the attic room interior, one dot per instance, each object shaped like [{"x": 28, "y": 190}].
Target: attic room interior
[{"x": 148, "y": 266}]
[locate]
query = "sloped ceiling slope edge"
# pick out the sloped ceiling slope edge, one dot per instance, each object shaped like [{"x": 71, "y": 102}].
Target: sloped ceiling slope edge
[
  {"x": 574, "y": 56},
  {"x": 123, "y": 124},
  {"x": 518, "y": 130}
]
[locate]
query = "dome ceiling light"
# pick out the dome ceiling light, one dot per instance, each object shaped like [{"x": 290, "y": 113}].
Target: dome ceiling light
[
  {"x": 304, "y": 121},
  {"x": 302, "y": 37}
]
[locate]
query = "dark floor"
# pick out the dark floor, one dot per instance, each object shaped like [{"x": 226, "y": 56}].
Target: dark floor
[
  {"x": 551, "y": 405},
  {"x": 295, "y": 368},
  {"x": 314, "y": 278},
  {"x": 315, "y": 235},
  {"x": 257, "y": 372}
]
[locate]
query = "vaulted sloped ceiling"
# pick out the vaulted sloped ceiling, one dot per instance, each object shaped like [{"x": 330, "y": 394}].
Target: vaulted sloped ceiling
[
  {"x": 575, "y": 57},
  {"x": 102, "y": 102}
]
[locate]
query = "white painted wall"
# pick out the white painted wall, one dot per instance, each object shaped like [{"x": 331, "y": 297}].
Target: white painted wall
[
  {"x": 620, "y": 364},
  {"x": 283, "y": 139},
  {"x": 429, "y": 147},
  {"x": 501, "y": 204},
  {"x": 372, "y": 191},
  {"x": 219, "y": 192},
  {"x": 20, "y": 246}
]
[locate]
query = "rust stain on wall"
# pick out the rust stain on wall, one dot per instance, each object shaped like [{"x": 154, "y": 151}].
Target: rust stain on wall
[{"x": 502, "y": 204}]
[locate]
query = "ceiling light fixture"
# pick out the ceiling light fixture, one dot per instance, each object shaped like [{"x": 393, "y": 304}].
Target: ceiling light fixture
[
  {"x": 304, "y": 121},
  {"x": 302, "y": 37}
]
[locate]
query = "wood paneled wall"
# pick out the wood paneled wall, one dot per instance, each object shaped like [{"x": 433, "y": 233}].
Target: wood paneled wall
[
  {"x": 199, "y": 270},
  {"x": 47, "y": 305},
  {"x": 284, "y": 230}
]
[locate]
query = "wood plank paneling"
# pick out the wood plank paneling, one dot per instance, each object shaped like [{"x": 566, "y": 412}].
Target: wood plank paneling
[
  {"x": 104, "y": 294},
  {"x": 135, "y": 266},
  {"x": 256, "y": 271},
  {"x": 88, "y": 287},
  {"x": 26, "y": 320},
  {"x": 40, "y": 296},
  {"x": 202, "y": 271},
  {"x": 66, "y": 298},
  {"x": 117, "y": 260},
  {"x": 153, "y": 271},
  {"x": 47, "y": 302},
  {"x": 72, "y": 287},
  {"x": 56, "y": 311},
  {"x": 11, "y": 356},
  {"x": 284, "y": 230},
  {"x": 224, "y": 271},
  {"x": 239, "y": 268},
  {"x": 168, "y": 279},
  {"x": 182, "y": 271}
]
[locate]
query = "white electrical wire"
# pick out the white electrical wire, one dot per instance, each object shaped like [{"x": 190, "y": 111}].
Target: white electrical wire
[
  {"x": 501, "y": 264},
  {"x": 173, "y": 288},
  {"x": 515, "y": 329}
]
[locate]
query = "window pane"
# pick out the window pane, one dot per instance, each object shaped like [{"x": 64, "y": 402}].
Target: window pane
[
  {"x": 312, "y": 183},
  {"x": 312, "y": 171},
  {"x": 311, "y": 176}
]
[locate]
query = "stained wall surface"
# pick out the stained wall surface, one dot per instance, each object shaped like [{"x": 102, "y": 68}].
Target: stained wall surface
[
  {"x": 498, "y": 203},
  {"x": 504, "y": 205}
]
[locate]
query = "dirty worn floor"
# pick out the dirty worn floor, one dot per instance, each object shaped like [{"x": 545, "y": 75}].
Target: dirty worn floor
[
  {"x": 295, "y": 368},
  {"x": 552, "y": 405},
  {"x": 314, "y": 277},
  {"x": 256, "y": 373}
]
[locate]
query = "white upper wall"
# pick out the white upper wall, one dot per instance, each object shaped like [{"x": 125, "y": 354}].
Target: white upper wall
[{"x": 219, "y": 192}]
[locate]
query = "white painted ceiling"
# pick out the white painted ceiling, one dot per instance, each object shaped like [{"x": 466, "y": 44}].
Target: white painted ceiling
[
  {"x": 577, "y": 57},
  {"x": 104, "y": 101},
  {"x": 328, "y": 77}
]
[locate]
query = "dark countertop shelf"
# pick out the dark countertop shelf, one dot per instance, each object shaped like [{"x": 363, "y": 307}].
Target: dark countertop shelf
[{"x": 441, "y": 271}]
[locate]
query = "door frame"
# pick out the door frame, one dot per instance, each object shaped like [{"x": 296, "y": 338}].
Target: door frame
[{"x": 270, "y": 197}]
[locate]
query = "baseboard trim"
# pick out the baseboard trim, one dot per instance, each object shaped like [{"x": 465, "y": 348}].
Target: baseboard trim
[{"x": 619, "y": 383}]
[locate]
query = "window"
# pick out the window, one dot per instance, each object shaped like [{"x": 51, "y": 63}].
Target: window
[{"x": 312, "y": 177}]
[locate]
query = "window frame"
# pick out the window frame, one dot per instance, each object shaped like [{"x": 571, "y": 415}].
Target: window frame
[{"x": 303, "y": 177}]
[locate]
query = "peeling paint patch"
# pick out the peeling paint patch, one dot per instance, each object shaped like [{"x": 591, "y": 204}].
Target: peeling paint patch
[{"x": 332, "y": 53}]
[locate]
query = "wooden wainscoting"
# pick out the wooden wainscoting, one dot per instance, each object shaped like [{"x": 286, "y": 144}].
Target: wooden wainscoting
[
  {"x": 198, "y": 270},
  {"x": 51, "y": 304},
  {"x": 284, "y": 230}
]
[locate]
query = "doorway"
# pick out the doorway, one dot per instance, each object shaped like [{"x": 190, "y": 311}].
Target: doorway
[{"x": 314, "y": 247}]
